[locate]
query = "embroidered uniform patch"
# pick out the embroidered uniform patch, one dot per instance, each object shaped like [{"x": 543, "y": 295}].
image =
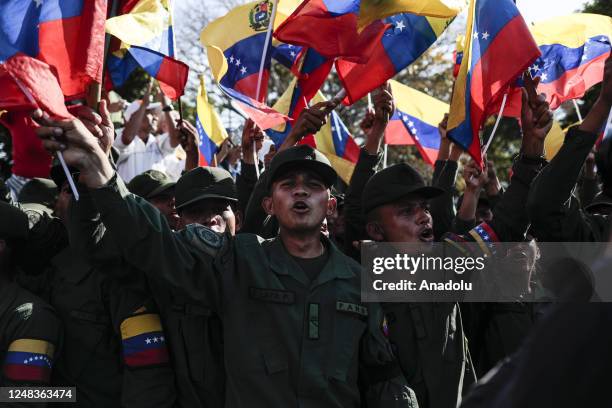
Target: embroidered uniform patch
[
  {"x": 144, "y": 342},
  {"x": 25, "y": 310},
  {"x": 272, "y": 295},
  {"x": 352, "y": 308},
  {"x": 29, "y": 360}
]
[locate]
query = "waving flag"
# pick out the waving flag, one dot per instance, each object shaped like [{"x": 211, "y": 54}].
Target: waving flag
[
  {"x": 235, "y": 45},
  {"x": 458, "y": 54},
  {"x": 311, "y": 71},
  {"x": 574, "y": 50},
  {"x": 499, "y": 47},
  {"x": 285, "y": 54},
  {"x": 372, "y": 10},
  {"x": 415, "y": 121},
  {"x": 333, "y": 139},
  {"x": 406, "y": 39},
  {"x": 330, "y": 27},
  {"x": 147, "y": 40},
  {"x": 66, "y": 35},
  {"x": 210, "y": 130},
  {"x": 336, "y": 143}
]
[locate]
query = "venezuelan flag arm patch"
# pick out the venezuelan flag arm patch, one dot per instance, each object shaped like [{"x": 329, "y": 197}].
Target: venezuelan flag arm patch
[
  {"x": 144, "y": 342},
  {"x": 29, "y": 360}
]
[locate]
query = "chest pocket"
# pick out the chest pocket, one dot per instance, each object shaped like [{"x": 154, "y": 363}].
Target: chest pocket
[
  {"x": 90, "y": 344},
  {"x": 201, "y": 334},
  {"x": 350, "y": 322}
]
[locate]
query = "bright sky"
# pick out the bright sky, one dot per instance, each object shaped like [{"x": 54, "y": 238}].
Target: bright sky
[{"x": 536, "y": 10}]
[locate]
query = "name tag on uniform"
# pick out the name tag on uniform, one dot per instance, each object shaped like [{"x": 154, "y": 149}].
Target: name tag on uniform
[
  {"x": 352, "y": 308},
  {"x": 272, "y": 295}
]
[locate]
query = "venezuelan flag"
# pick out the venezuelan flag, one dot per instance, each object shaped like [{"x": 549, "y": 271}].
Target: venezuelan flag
[
  {"x": 330, "y": 27},
  {"x": 407, "y": 37},
  {"x": 372, "y": 10},
  {"x": 29, "y": 360},
  {"x": 311, "y": 71},
  {"x": 333, "y": 139},
  {"x": 67, "y": 35},
  {"x": 210, "y": 130},
  {"x": 415, "y": 121},
  {"x": 336, "y": 143},
  {"x": 144, "y": 29},
  {"x": 235, "y": 45},
  {"x": 144, "y": 342},
  {"x": 499, "y": 47},
  {"x": 574, "y": 50},
  {"x": 458, "y": 54}
]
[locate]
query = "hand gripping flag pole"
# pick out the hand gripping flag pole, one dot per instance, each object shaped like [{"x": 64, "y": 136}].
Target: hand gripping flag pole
[
  {"x": 60, "y": 156},
  {"x": 260, "y": 73}
]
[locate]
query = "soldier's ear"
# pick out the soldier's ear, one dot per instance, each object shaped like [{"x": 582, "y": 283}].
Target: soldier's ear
[
  {"x": 268, "y": 205},
  {"x": 238, "y": 216},
  {"x": 332, "y": 203},
  {"x": 375, "y": 231}
]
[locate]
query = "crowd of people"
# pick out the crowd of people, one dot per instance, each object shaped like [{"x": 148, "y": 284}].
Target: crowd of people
[{"x": 167, "y": 284}]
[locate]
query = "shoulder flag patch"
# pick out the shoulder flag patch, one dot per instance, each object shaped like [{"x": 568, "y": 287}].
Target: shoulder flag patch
[
  {"x": 144, "y": 342},
  {"x": 29, "y": 360}
]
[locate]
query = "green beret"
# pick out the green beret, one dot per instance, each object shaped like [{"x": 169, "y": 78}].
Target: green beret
[
  {"x": 393, "y": 183},
  {"x": 202, "y": 183}
]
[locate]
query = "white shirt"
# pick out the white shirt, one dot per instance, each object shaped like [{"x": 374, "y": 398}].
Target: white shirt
[{"x": 139, "y": 156}]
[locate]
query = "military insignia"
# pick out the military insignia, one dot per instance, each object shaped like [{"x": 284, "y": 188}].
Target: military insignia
[
  {"x": 259, "y": 16},
  {"x": 33, "y": 218},
  {"x": 25, "y": 311},
  {"x": 272, "y": 295},
  {"x": 209, "y": 237},
  {"x": 352, "y": 308}
]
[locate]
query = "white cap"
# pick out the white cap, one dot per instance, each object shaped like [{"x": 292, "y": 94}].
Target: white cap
[{"x": 133, "y": 107}]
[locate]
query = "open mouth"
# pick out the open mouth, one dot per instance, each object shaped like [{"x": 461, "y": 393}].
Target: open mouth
[
  {"x": 300, "y": 207},
  {"x": 426, "y": 235}
]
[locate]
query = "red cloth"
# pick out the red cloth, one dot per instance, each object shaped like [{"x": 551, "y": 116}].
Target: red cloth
[{"x": 30, "y": 159}]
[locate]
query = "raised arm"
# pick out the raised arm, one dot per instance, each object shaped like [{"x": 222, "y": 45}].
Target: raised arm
[
  {"x": 510, "y": 218},
  {"x": 554, "y": 218},
  {"x": 374, "y": 126},
  {"x": 182, "y": 261}
]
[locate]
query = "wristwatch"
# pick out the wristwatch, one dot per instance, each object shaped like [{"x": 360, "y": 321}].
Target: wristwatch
[{"x": 168, "y": 108}]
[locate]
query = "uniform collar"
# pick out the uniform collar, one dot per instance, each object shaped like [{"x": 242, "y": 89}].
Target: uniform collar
[{"x": 337, "y": 267}]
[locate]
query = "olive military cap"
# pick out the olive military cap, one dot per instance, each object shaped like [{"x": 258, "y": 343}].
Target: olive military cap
[
  {"x": 393, "y": 183},
  {"x": 39, "y": 191},
  {"x": 202, "y": 183},
  {"x": 13, "y": 222},
  {"x": 150, "y": 184},
  {"x": 301, "y": 157}
]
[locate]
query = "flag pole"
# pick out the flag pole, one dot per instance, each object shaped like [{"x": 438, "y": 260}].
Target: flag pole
[
  {"x": 262, "y": 63},
  {"x": 577, "y": 110},
  {"x": 499, "y": 116},
  {"x": 174, "y": 55},
  {"x": 60, "y": 156},
  {"x": 94, "y": 91}
]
